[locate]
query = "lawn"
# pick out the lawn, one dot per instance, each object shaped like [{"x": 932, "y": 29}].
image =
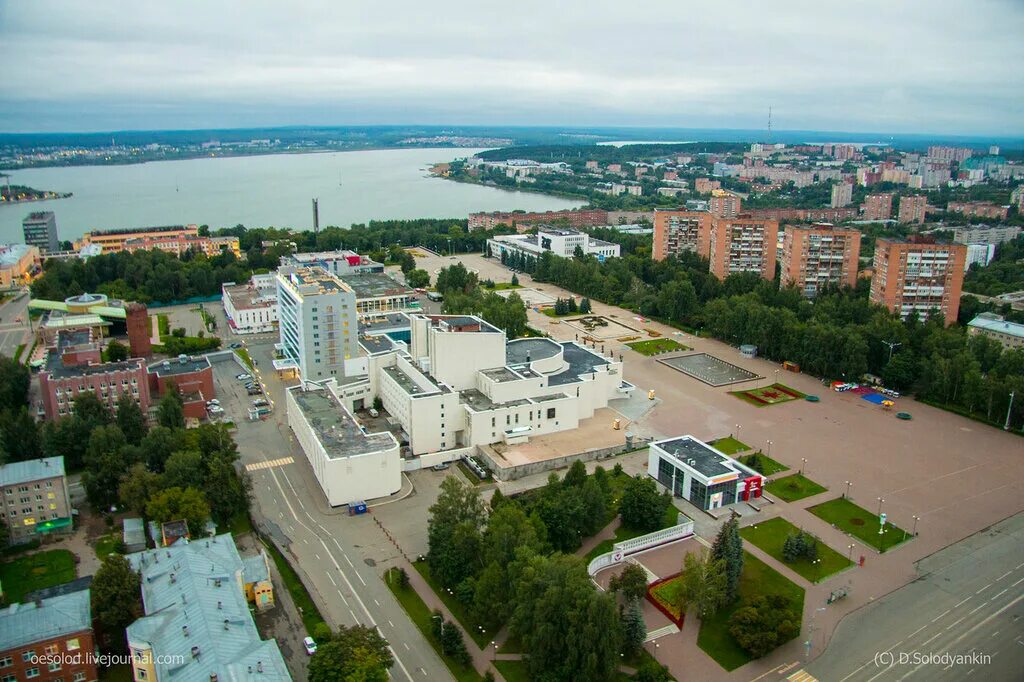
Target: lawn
[
  {"x": 762, "y": 463},
  {"x": 501, "y": 286},
  {"x": 550, "y": 312},
  {"x": 244, "y": 355},
  {"x": 468, "y": 474},
  {"x": 757, "y": 579},
  {"x": 107, "y": 545},
  {"x": 18, "y": 351},
  {"x": 513, "y": 671},
  {"x": 729, "y": 445},
  {"x": 36, "y": 571},
  {"x": 240, "y": 524},
  {"x": 458, "y": 611},
  {"x": 771, "y": 534},
  {"x": 163, "y": 325},
  {"x": 768, "y": 395},
  {"x": 666, "y": 594},
  {"x": 794, "y": 487},
  {"x": 303, "y": 602},
  {"x": 656, "y": 346},
  {"x": 858, "y": 522},
  {"x": 420, "y": 615}
]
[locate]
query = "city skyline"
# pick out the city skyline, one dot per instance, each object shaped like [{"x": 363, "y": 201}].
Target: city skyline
[{"x": 115, "y": 67}]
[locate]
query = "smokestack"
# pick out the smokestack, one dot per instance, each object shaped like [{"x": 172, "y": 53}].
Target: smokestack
[{"x": 316, "y": 216}]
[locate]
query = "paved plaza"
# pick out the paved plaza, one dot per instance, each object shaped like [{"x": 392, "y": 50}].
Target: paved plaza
[{"x": 709, "y": 369}]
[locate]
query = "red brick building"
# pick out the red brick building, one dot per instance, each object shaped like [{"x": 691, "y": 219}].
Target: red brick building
[
  {"x": 488, "y": 221},
  {"x": 50, "y": 639},
  {"x": 193, "y": 377},
  {"x": 139, "y": 330},
  {"x": 979, "y": 209},
  {"x": 827, "y": 215},
  {"x": 878, "y": 207}
]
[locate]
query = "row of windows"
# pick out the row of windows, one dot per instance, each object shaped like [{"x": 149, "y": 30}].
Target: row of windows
[
  {"x": 508, "y": 417},
  {"x": 24, "y": 488}
]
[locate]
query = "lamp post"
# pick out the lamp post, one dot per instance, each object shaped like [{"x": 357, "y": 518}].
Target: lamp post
[
  {"x": 769, "y": 448},
  {"x": 847, "y": 493},
  {"x": 804, "y": 465},
  {"x": 914, "y": 532},
  {"x": 880, "y": 503},
  {"x": 849, "y": 554},
  {"x": 737, "y": 432},
  {"x": 1006, "y": 426},
  {"x": 494, "y": 650}
]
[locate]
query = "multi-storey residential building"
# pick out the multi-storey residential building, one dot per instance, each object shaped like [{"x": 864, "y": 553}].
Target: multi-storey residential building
[
  {"x": 679, "y": 231},
  {"x": 949, "y": 154},
  {"x": 1017, "y": 198},
  {"x": 814, "y": 256},
  {"x": 878, "y": 207},
  {"x": 743, "y": 244},
  {"x": 724, "y": 204},
  {"x": 198, "y": 626},
  {"x": 178, "y": 244},
  {"x": 842, "y": 195},
  {"x": 74, "y": 366},
  {"x": 829, "y": 215},
  {"x": 979, "y": 209},
  {"x": 338, "y": 263},
  {"x": 985, "y": 234},
  {"x": 706, "y": 185},
  {"x": 918, "y": 275},
  {"x": 113, "y": 241},
  {"x": 574, "y": 217},
  {"x": 251, "y": 308},
  {"x": 1010, "y": 334},
  {"x": 40, "y": 230},
  {"x": 48, "y": 640},
  {"x": 559, "y": 241},
  {"x": 18, "y": 262},
  {"x": 317, "y": 322},
  {"x": 913, "y": 208},
  {"x": 35, "y": 498},
  {"x": 982, "y": 254}
]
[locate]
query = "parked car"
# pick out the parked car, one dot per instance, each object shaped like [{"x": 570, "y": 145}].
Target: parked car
[
  {"x": 215, "y": 410},
  {"x": 255, "y": 391},
  {"x": 235, "y": 345},
  {"x": 440, "y": 467},
  {"x": 374, "y": 412},
  {"x": 259, "y": 403},
  {"x": 310, "y": 646},
  {"x": 212, "y": 402},
  {"x": 242, "y": 377}
]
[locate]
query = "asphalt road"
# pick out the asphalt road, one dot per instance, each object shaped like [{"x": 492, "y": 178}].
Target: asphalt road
[
  {"x": 13, "y": 333},
  {"x": 969, "y": 601},
  {"x": 341, "y": 558}
]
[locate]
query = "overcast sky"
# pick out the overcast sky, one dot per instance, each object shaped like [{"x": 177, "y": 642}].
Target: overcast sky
[{"x": 929, "y": 66}]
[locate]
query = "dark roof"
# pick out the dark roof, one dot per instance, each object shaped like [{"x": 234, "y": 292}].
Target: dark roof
[
  {"x": 174, "y": 366},
  {"x": 376, "y": 344},
  {"x": 581, "y": 361},
  {"x": 516, "y": 352},
  {"x": 702, "y": 458},
  {"x": 76, "y": 585}
]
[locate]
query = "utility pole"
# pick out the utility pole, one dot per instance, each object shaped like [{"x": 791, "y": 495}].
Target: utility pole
[
  {"x": 1006, "y": 426},
  {"x": 892, "y": 345}
]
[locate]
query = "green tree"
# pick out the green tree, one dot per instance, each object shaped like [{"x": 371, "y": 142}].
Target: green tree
[
  {"x": 226, "y": 489},
  {"x": 176, "y": 504},
  {"x": 14, "y": 383},
  {"x": 631, "y": 583},
  {"x": 642, "y": 507},
  {"x": 764, "y": 624},
  {"x": 577, "y": 474},
  {"x": 116, "y": 351},
  {"x": 634, "y": 630},
  {"x": 137, "y": 486},
  {"x": 357, "y": 654},
  {"x": 105, "y": 463},
  {"x": 585, "y": 306},
  {"x": 130, "y": 419},
  {"x": 728, "y": 548},
  {"x": 19, "y": 435},
  {"x": 453, "y": 532},
  {"x": 90, "y": 410},
  {"x": 159, "y": 444},
  {"x": 170, "y": 411},
  {"x": 116, "y": 595},
  {"x": 595, "y": 506},
  {"x": 704, "y": 585},
  {"x": 652, "y": 671},
  {"x": 184, "y": 469},
  {"x": 418, "y": 279},
  {"x": 515, "y": 280}
]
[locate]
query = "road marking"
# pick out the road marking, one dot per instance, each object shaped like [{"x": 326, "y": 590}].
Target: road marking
[
  {"x": 930, "y": 638},
  {"x": 984, "y": 588},
  {"x": 390, "y": 623},
  {"x": 996, "y": 596},
  {"x": 977, "y": 608},
  {"x": 1003, "y": 575},
  {"x": 305, "y": 541},
  {"x": 317, "y": 556},
  {"x": 941, "y": 615},
  {"x": 964, "y": 601},
  {"x": 332, "y": 579},
  {"x": 1018, "y": 582},
  {"x": 854, "y": 672},
  {"x": 916, "y": 631},
  {"x": 406, "y": 646},
  {"x": 994, "y": 633},
  {"x": 348, "y": 560},
  {"x": 268, "y": 464},
  {"x": 376, "y": 602},
  {"x": 954, "y": 623}
]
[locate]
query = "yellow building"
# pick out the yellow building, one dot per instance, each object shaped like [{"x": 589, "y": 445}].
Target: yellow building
[{"x": 18, "y": 264}]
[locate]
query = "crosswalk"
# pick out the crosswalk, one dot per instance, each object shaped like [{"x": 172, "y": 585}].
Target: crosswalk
[
  {"x": 271, "y": 463},
  {"x": 802, "y": 676}
]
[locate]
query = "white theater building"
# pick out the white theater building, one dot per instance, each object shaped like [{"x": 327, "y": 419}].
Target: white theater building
[{"x": 560, "y": 241}]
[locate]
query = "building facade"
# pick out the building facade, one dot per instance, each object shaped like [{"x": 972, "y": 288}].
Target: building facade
[
  {"x": 743, "y": 244},
  {"x": 192, "y": 377},
  {"x": 913, "y": 209},
  {"x": 378, "y": 293},
  {"x": 724, "y": 204},
  {"x": 575, "y": 218},
  {"x": 985, "y": 234},
  {"x": 816, "y": 256},
  {"x": 178, "y": 244},
  {"x": 1009, "y": 334},
  {"x": 558, "y": 241},
  {"x": 918, "y": 276},
  {"x": 35, "y": 498},
  {"x": 18, "y": 263},
  {"x": 49, "y": 640},
  {"x": 113, "y": 241},
  {"x": 842, "y": 195},
  {"x": 697, "y": 472},
  {"x": 979, "y": 209},
  {"x": 317, "y": 323},
  {"x": 679, "y": 231},
  {"x": 40, "y": 231},
  {"x": 878, "y": 207},
  {"x": 251, "y": 308}
]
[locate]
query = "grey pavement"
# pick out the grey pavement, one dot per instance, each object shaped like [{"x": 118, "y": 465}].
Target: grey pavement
[
  {"x": 341, "y": 558},
  {"x": 12, "y": 332},
  {"x": 968, "y": 600}
]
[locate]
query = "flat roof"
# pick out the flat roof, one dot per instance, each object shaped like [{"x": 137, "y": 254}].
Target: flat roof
[
  {"x": 245, "y": 296},
  {"x": 702, "y": 458},
  {"x": 174, "y": 366},
  {"x": 16, "y": 473},
  {"x": 559, "y": 231},
  {"x": 390, "y": 321},
  {"x": 458, "y": 323},
  {"x": 581, "y": 361},
  {"x": 521, "y": 351},
  {"x": 1000, "y": 326},
  {"x": 375, "y": 285},
  {"x": 12, "y": 253},
  {"x": 409, "y": 385},
  {"x": 300, "y": 278},
  {"x": 378, "y": 343},
  {"x": 501, "y": 374},
  {"x": 479, "y": 402},
  {"x": 336, "y": 429}
]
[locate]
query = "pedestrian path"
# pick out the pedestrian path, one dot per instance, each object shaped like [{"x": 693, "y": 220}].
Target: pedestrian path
[
  {"x": 802, "y": 676},
  {"x": 269, "y": 464}
]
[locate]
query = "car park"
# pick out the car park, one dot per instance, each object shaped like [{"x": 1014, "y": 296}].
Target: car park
[
  {"x": 242, "y": 377},
  {"x": 260, "y": 403}
]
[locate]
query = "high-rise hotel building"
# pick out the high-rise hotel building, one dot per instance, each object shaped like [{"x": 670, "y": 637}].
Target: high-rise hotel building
[{"x": 317, "y": 323}]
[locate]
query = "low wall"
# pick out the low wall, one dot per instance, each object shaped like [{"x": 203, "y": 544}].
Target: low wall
[
  {"x": 622, "y": 550},
  {"x": 506, "y": 472},
  {"x": 435, "y": 458}
]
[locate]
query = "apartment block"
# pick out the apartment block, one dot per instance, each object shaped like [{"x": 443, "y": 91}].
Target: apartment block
[
  {"x": 317, "y": 323},
  {"x": 918, "y": 275},
  {"x": 949, "y": 154},
  {"x": 724, "y": 204},
  {"x": 49, "y": 640},
  {"x": 679, "y": 231},
  {"x": 816, "y": 256},
  {"x": 706, "y": 185},
  {"x": 979, "y": 209},
  {"x": 743, "y": 244},
  {"x": 35, "y": 498},
  {"x": 179, "y": 244},
  {"x": 985, "y": 234},
  {"x": 878, "y": 207},
  {"x": 842, "y": 195},
  {"x": 913, "y": 209},
  {"x": 113, "y": 241},
  {"x": 40, "y": 230}
]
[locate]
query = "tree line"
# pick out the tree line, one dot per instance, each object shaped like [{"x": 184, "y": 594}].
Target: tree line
[{"x": 464, "y": 296}]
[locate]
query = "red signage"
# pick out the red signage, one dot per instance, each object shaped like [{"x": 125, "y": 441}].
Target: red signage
[{"x": 751, "y": 488}]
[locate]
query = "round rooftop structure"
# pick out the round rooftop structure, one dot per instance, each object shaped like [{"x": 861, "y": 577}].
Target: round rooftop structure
[
  {"x": 83, "y": 302},
  {"x": 521, "y": 351}
]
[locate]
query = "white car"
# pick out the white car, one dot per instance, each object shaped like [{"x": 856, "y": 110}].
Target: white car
[
  {"x": 241, "y": 377},
  {"x": 310, "y": 646},
  {"x": 212, "y": 402}
]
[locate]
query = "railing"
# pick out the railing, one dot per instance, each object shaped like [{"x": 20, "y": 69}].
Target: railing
[{"x": 621, "y": 550}]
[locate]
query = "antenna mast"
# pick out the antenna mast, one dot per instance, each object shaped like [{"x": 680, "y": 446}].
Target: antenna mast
[{"x": 769, "y": 123}]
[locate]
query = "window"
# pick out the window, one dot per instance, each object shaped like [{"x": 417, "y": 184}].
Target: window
[
  {"x": 6, "y": 662},
  {"x": 31, "y": 672},
  {"x": 80, "y": 677},
  {"x": 53, "y": 667},
  {"x": 551, "y": 413},
  {"x": 72, "y": 645},
  {"x": 51, "y": 649},
  {"x": 9, "y": 678}
]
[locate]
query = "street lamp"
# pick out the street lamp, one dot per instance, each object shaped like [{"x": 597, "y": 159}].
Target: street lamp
[
  {"x": 847, "y": 493},
  {"x": 880, "y": 503},
  {"x": 737, "y": 432},
  {"x": 494, "y": 650},
  {"x": 849, "y": 555},
  {"x": 769, "y": 448},
  {"x": 804, "y": 465},
  {"x": 914, "y": 532}
]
